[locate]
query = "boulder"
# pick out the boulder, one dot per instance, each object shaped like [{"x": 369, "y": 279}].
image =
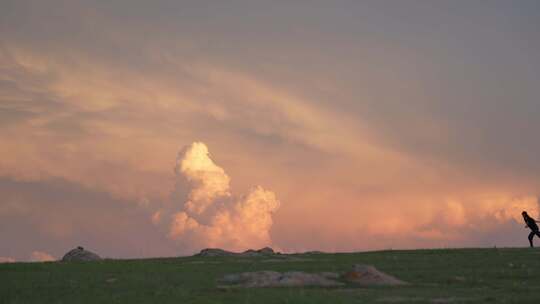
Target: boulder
[
  {"x": 366, "y": 275},
  {"x": 251, "y": 279},
  {"x": 266, "y": 250},
  {"x": 215, "y": 252},
  {"x": 277, "y": 279},
  {"x": 80, "y": 254},
  {"x": 262, "y": 251},
  {"x": 362, "y": 275},
  {"x": 299, "y": 279},
  {"x": 313, "y": 252}
]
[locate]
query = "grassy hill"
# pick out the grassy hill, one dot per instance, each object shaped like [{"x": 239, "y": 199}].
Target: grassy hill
[{"x": 436, "y": 276}]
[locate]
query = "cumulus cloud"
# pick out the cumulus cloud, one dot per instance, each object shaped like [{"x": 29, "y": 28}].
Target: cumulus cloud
[
  {"x": 462, "y": 218},
  {"x": 512, "y": 208},
  {"x": 207, "y": 181},
  {"x": 211, "y": 216},
  {"x": 498, "y": 208},
  {"x": 40, "y": 256},
  {"x": 455, "y": 213}
]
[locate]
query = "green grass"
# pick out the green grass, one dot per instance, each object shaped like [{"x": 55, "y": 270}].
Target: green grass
[{"x": 436, "y": 276}]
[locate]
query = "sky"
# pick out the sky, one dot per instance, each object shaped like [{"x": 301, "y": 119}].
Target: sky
[{"x": 159, "y": 128}]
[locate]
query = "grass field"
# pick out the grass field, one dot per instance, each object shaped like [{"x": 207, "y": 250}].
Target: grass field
[{"x": 436, "y": 276}]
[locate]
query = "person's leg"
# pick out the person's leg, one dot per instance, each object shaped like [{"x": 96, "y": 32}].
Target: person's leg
[{"x": 531, "y": 235}]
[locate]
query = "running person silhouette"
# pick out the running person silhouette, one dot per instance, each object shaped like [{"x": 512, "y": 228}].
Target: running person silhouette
[{"x": 531, "y": 224}]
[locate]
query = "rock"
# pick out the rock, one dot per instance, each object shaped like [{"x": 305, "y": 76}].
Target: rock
[
  {"x": 262, "y": 251},
  {"x": 298, "y": 278},
  {"x": 251, "y": 279},
  {"x": 330, "y": 275},
  {"x": 366, "y": 275},
  {"x": 248, "y": 253},
  {"x": 266, "y": 250},
  {"x": 276, "y": 279},
  {"x": 363, "y": 275},
  {"x": 80, "y": 254},
  {"x": 215, "y": 252}
]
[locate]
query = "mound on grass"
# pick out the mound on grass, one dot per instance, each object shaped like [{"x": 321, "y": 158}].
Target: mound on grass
[
  {"x": 80, "y": 254},
  {"x": 363, "y": 275}
]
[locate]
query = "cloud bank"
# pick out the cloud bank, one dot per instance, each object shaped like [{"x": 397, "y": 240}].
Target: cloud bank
[
  {"x": 35, "y": 256},
  {"x": 40, "y": 256},
  {"x": 7, "y": 260},
  {"x": 398, "y": 138},
  {"x": 211, "y": 216}
]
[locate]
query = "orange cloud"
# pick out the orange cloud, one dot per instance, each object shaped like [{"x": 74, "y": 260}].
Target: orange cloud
[
  {"x": 7, "y": 260},
  {"x": 40, "y": 256},
  {"x": 117, "y": 136}
]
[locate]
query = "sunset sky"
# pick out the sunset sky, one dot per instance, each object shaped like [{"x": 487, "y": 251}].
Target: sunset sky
[{"x": 157, "y": 128}]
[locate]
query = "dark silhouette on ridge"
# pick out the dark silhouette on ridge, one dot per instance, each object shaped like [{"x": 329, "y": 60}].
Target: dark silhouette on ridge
[{"x": 531, "y": 224}]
